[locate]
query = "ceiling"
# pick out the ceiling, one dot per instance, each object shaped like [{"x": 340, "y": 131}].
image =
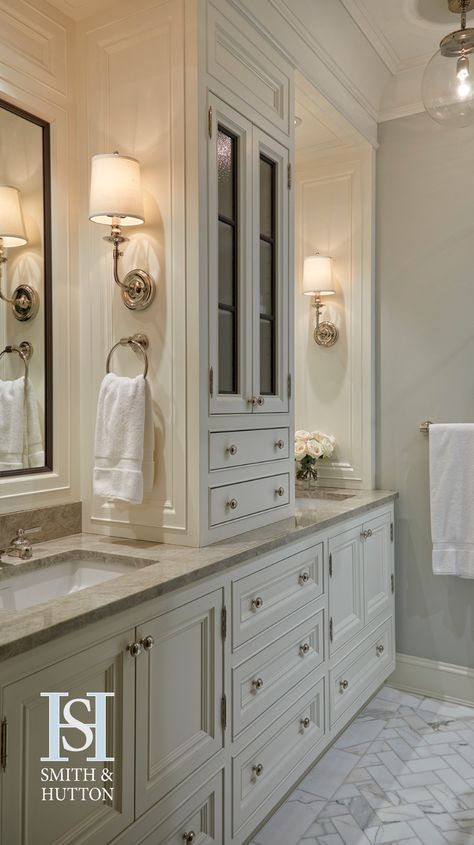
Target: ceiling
[
  {"x": 322, "y": 127},
  {"x": 80, "y": 9}
]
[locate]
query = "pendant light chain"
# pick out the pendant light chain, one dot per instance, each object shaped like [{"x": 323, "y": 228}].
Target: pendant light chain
[{"x": 464, "y": 5}]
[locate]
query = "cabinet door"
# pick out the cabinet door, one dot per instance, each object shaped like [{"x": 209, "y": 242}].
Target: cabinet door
[
  {"x": 179, "y": 690},
  {"x": 25, "y": 817},
  {"x": 230, "y": 259},
  {"x": 270, "y": 274},
  {"x": 377, "y": 557},
  {"x": 346, "y": 607}
]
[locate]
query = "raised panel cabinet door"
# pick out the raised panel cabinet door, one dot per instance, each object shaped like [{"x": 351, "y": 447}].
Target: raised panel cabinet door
[
  {"x": 377, "y": 558},
  {"x": 230, "y": 259},
  {"x": 346, "y": 607},
  {"x": 271, "y": 278},
  {"x": 179, "y": 693},
  {"x": 63, "y": 814}
]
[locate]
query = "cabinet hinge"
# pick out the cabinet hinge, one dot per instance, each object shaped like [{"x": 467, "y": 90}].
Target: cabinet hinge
[
  {"x": 224, "y": 622},
  {"x": 392, "y": 583},
  {"x": 209, "y": 121},
  {"x": 331, "y": 629},
  {"x": 289, "y": 386},
  {"x": 330, "y": 565},
  {"x": 391, "y": 531},
  {"x": 3, "y": 745},
  {"x": 224, "y": 712},
  {"x": 211, "y": 382},
  {"x": 289, "y": 176}
]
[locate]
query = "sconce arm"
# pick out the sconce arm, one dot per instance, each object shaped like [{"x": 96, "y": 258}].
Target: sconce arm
[
  {"x": 2, "y": 296},
  {"x": 325, "y": 333},
  {"x": 138, "y": 288},
  {"x": 25, "y": 301}
]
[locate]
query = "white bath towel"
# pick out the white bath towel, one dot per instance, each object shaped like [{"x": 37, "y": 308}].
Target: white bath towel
[
  {"x": 34, "y": 450},
  {"x": 21, "y": 442},
  {"x": 124, "y": 439},
  {"x": 452, "y": 498}
]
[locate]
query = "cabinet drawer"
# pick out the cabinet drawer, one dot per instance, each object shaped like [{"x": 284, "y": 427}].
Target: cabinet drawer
[
  {"x": 237, "y": 448},
  {"x": 267, "y": 596},
  {"x": 263, "y": 679},
  {"x": 354, "y": 675},
  {"x": 259, "y": 769},
  {"x": 233, "y": 501}
]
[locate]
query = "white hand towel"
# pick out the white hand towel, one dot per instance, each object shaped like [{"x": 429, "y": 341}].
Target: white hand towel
[
  {"x": 120, "y": 448},
  {"x": 452, "y": 498},
  {"x": 12, "y": 423},
  {"x": 34, "y": 450}
]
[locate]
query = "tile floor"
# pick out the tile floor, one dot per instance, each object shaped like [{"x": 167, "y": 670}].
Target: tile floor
[{"x": 402, "y": 773}]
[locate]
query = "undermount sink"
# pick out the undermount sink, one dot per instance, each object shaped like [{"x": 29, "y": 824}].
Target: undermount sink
[
  {"x": 60, "y": 575},
  {"x": 327, "y": 494}
]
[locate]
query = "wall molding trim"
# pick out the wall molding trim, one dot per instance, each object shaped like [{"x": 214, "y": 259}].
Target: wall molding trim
[{"x": 434, "y": 678}]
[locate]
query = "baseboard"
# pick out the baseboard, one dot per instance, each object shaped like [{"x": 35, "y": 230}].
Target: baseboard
[{"x": 432, "y": 678}]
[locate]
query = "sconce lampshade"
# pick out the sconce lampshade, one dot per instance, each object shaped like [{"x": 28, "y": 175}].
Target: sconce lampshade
[
  {"x": 116, "y": 190},
  {"x": 12, "y": 226},
  {"x": 317, "y": 275}
]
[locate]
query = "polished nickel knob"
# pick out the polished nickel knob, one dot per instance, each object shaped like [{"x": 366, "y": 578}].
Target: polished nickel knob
[
  {"x": 280, "y": 491},
  {"x": 305, "y": 723},
  {"x": 135, "y": 649},
  {"x": 232, "y": 504},
  {"x": 253, "y": 401},
  {"x": 257, "y": 603},
  {"x": 279, "y": 444},
  {"x": 343, "y": 685},
  {"x": 260, "y": 401},
  {"x": 304, "y": 578},
  {"x": 366, "y": 534},
  {"x": 258, "y": 770},
  {"x": 232, "y": 450},
  {"x": 189, "y": 838},
  {"x": 304, "y": 649},
  {"x": 380, "y": 649},
  {"x": 257, "y": 684},
  {"x": 148, "y": 643}
]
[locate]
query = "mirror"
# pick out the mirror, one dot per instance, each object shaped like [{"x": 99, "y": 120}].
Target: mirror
[{"x": 25, "y": 293}]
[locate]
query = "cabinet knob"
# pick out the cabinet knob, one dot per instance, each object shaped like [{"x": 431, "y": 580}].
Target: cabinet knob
[
  {"x": 279, "y": 444},
  {"x": 260, "y": 401},
  {"x": 232, "y": 504},
  {"x": 304, "y": 649},
  {"x": 305, "y": 723},
  {"x": 380, "y": 649},
  {"x": 304, "y": 578},
  {"x": 232, "y": 450},
  {"x": 257, "y": 603},
  {"x": 148, "y": 643},
  {"x": 135, "y": 649},
  {"x": 253, "y": 400},
  {"x": 258, "y": 770},
  {"x": 189, "y": 838},
  {"x": 257, "y": 684},
  {"x": 280, "y": 491},
  {"x": 343, "y": 685},
  {"x": 366, "y": 534}
]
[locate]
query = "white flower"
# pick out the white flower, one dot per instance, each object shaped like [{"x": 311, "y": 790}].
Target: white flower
[
  {"x": 314, "y": 448},
  {"x": 327, "y": 447},
  {"x": 300, "y": 450},
  {"x": 302, "y": 435},
  {"x": 317, "y": 435}
]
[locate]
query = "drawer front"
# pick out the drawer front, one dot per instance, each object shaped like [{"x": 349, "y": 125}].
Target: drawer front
[
  {"x": 234, "y": 501},
  {"x": 267, "y": 596},
  {"x": 238, "y": 448},
  {"x": 353, "y": 675},
  {"x": 262, "y": 766},
  {"x": 263, "y": 679}
]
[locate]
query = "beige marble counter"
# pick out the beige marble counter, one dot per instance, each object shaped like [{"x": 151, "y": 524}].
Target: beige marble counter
[{"x": 170, "y": 567}]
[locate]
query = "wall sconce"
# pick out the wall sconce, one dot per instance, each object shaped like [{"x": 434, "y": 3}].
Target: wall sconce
[
  {"x": 317, "y": 281},
  {"x": 116, "y": 200},
  {"x": 25, "y": 300}
]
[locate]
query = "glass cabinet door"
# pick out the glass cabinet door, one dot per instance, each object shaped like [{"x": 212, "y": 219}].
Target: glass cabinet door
[
  {"x": 230, "y": 260},
  {"x": 271, "y": 318}
]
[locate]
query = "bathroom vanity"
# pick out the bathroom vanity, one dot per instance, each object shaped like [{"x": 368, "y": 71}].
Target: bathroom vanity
[{"x": 233, "y": 668}]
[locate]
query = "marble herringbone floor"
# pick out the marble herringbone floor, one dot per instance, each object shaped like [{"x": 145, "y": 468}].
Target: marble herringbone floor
[{"x": 402, "y": 773}]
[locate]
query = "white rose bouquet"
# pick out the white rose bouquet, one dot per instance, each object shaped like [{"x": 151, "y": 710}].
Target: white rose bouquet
[{"x": 309, "y": 448}]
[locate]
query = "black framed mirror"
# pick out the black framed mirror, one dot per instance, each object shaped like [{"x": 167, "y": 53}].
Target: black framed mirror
[{"x": 26, "y": 344}]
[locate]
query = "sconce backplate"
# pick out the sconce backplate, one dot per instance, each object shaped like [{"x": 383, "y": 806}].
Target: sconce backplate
[
  {"x": 326, "y": 334},
  {"x": 24, "y": 303},
  {"x": 138, "y": 290}
]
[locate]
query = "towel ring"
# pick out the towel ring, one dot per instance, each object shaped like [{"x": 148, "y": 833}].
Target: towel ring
[
  {"x": 139, "y": 342},
  {"x": 24, "y": 350}
]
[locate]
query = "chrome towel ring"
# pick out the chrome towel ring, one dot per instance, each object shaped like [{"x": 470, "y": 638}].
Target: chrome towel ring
[
  {"x": 24, "y": 350},
  {"x": 138, "y": 342}
]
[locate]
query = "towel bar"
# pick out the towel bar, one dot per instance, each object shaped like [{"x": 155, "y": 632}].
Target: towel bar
[
  {"x": 24, "y": 350},
  {"x": 425, "y": 427},
  {"x": 139, "y": 342}
]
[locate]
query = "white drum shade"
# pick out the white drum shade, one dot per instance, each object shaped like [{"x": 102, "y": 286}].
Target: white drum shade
[
  {"x": 12, "y": 226},
  {"x": 317, "y": 275},
  {"x": 116, "y": 190}
]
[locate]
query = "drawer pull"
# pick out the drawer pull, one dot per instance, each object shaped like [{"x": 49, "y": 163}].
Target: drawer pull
[
  {"x": 280, "y": 444},
  {"x": 257, "y": 603},
  {"x": 304, "y": 649},
  {"x": 232, "y": 450},
  {"x": 305, "y": 723},
  {"x": 260, "y": 401},
  {"x": 135, "y": 649},
  {"x": 257, "y": 684},
  {"x": 258, "y": 770},
  {"x": 343, "y": 685},
  {"x": 233, "y": 504},
  {"x": 148, "y": 643},
  {"x": 380, "y": 649},
  {"x": 280, "y": 491},
  {"x": 304, "y": 578},
  {"x": 189, "y": 838},
  {"x": 366, "y": 534}
]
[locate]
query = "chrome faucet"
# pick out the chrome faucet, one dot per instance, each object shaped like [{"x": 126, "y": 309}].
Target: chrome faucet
[{"x": 19, "y": 547}]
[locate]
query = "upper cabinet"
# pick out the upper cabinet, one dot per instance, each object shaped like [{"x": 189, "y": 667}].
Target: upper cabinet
[{"x": 248, "y": 266}]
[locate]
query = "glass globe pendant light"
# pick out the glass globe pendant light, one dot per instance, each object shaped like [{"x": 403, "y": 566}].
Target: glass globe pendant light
[{"x": 448, "y": 82}]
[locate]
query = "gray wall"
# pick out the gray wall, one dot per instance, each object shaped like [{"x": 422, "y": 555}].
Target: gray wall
[{"x": 425, "y": 358}]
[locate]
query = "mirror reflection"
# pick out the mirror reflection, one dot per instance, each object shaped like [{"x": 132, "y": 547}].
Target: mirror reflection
[{"x": 25, "y": 293}]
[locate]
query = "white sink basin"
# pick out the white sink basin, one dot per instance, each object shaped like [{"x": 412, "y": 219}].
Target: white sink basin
[{"x": 49, "y": 580}]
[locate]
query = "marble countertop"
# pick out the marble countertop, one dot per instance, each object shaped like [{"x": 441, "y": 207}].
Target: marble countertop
[{"x": 163, "y": 568}]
